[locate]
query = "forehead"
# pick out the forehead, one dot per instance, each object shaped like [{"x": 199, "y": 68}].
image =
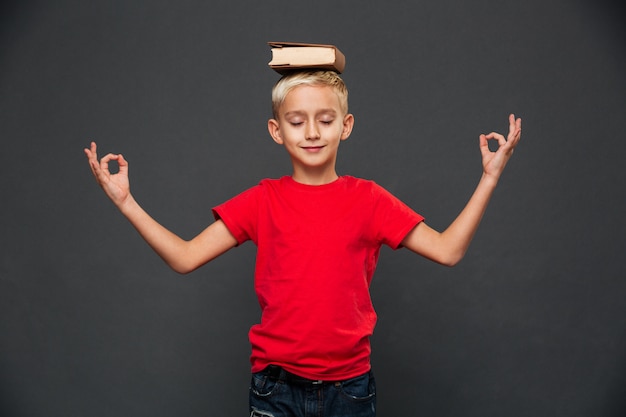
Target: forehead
[{"x": 311, "y": 98}]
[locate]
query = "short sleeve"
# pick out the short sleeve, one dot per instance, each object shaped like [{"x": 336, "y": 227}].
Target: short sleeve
[
  {"x": 240, "y": 214},
  {"x": 392, "y": 218}
]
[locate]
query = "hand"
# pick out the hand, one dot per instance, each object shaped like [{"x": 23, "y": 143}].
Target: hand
[
  {"x": 116, "y": 186},
  {"x": 494, "y": 162}
]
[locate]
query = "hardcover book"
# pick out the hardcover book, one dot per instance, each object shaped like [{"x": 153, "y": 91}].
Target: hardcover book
[{"x": 289, "y": 56}]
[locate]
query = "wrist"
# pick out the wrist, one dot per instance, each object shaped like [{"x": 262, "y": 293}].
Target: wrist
[
  {"x": 489, "y": 180},
  {"x": 127, "y": 205}
]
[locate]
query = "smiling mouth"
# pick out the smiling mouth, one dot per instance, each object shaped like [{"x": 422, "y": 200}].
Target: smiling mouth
[{"x": 312, "y": 148}]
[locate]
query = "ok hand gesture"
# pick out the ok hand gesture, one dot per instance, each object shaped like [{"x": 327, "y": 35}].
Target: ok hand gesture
[
  {"x": 116, "y": 186},
  {"x": 494, "y": 162}
]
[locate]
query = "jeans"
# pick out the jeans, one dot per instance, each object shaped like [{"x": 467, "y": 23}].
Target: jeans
[{"x": 280, "y": 394}]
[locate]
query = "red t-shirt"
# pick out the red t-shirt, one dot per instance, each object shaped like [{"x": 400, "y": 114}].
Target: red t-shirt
[{"x": 317, "y": 248}]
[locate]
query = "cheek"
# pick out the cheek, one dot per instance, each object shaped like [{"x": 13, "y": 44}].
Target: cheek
[{"x": 289, "y": 133}]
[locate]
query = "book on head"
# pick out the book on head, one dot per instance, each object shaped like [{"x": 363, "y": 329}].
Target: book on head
[{"x": 290, "y": 56}]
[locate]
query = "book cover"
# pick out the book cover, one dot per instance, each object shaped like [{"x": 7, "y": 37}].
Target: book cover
[{"x": 291, "y": 56}]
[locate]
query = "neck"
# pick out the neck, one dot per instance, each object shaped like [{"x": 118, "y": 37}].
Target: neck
[{"x": 314, "y": 176}]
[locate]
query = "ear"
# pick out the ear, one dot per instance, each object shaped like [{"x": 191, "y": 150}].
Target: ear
[
  {"x": 348, "y": 124},
  {"x": 274, "y": 128}
]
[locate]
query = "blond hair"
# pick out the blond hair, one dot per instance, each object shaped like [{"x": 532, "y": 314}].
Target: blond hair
[{"x": 309, "y": 77}]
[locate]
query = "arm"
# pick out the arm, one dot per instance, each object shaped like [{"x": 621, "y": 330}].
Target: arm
[
  {"x": 181, "y": 255},
  {"x": 449, "y": 246}
]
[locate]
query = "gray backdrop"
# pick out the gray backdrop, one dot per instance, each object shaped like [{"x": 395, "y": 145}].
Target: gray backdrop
[{"x": 531, "y": 323}]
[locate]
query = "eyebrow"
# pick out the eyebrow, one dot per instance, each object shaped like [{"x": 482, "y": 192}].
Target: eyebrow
[{"x": 301, "y": 112}]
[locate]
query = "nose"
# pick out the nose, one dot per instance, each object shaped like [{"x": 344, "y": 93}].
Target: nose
[{"x": 312, "y": 133}]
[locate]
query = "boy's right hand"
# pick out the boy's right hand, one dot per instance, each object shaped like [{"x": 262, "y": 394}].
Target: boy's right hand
[{"x": 116, "y": 186}]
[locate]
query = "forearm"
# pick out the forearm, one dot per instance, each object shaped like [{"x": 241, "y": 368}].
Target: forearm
[
  {"x": 455, "y": 240},
  {"x": 449, "y": 247},
  {"x": 170, "y": 247},
  {"x": 181, "y": 255}
]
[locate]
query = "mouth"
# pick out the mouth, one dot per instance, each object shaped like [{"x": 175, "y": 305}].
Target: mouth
[{"x": 312, "y": 149}]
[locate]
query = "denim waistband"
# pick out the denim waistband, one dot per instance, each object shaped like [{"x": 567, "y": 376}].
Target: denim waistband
[{"x": 279, "y": 373}]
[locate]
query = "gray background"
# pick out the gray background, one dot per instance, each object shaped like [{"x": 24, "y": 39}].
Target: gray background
[{"x": 531, "y": 323}]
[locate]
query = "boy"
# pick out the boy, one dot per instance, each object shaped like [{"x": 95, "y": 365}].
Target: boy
[{"x": 318, "y": 237}]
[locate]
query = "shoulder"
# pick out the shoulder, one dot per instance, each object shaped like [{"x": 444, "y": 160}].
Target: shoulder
[
  {"x": 273, "y": 182},
  {"x": 355, "y": 182},
  {"x": 263, "y": 185},
  {"x": 253, "y": 193},
  {"x": 364, "y": 185}
]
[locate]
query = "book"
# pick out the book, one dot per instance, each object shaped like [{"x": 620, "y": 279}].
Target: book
[{"x": 289, "y": 56}]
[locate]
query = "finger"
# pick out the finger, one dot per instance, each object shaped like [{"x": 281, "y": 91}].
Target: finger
[
  {"x": 92, "y": 157},
  {"x": 496, "y": 136},
  {"x": 484, "y": 146},
  {"x": 122, "y": 165},
  {"x": 98, "y": 174},
  {"x": 512, "y": 125},
  {"x": 515, "y": 127},
  {"x": 108, "y": 157},
  {"x": 104, "y": 163},
  {"x": 91, "y": 151}
]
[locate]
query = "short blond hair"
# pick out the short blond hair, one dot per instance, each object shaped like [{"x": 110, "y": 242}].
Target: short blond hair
[{"x": 309, "y": 77}]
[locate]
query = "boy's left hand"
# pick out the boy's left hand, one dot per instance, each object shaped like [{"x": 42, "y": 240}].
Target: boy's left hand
[{"x": 494, "y": 162}]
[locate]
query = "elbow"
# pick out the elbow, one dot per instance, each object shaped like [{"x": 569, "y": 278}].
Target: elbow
[
  {"x": 451, "y": 260},
  {"x": 183, "y": 262},
  {"x": 182, "y": 268},
  {"x": 450, "y": 263},
  {"x": 444, "y": 258},
  {"x": 182, "y": 271}
]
